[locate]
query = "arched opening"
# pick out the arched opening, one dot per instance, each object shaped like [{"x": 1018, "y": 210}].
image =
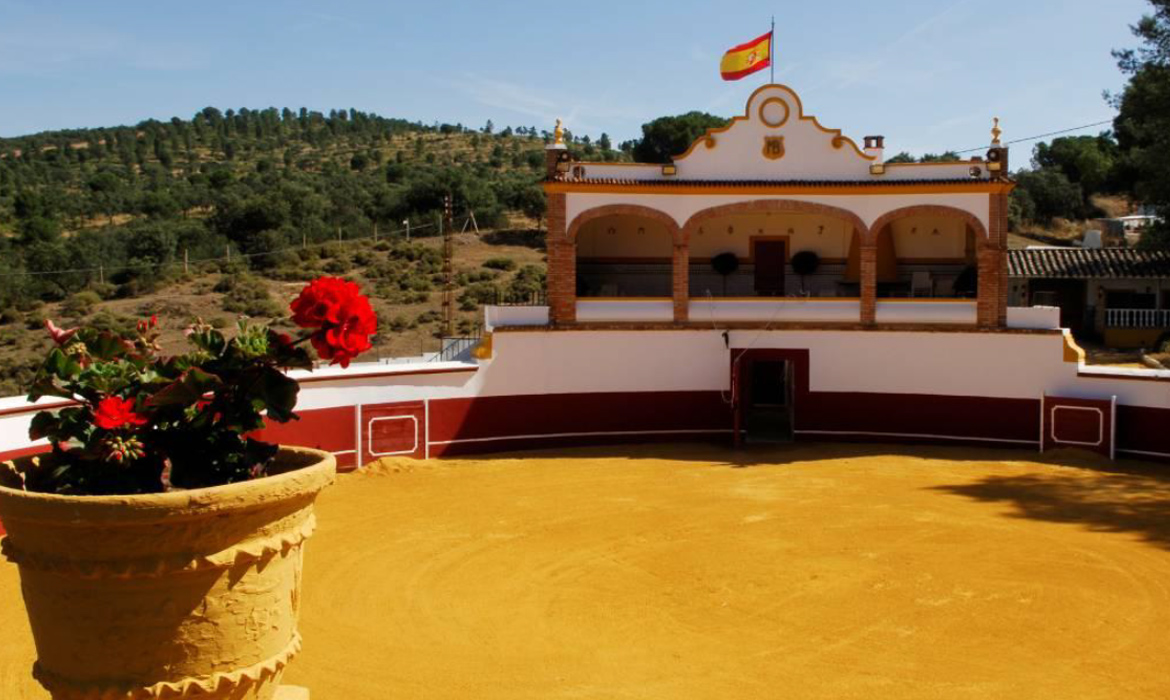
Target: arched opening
[
  {"x": 927, "y": 252},
  {"x": 776, "y": 248},
  {"x": 624, "y": 255}
]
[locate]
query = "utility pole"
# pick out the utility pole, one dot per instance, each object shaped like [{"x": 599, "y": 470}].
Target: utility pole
[
  {"x": 186, "y": 262},
  {"x": 448, "y": 227},
  {"x": 406, "y": 223}
]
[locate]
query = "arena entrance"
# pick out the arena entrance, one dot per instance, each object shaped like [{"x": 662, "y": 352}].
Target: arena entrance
[
  {"x": 764, "y": 393},
  {"x": 769, "y": 406}
]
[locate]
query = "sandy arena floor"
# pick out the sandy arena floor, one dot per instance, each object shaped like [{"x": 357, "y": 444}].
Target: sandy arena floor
[{"x": 698, "y": 572}]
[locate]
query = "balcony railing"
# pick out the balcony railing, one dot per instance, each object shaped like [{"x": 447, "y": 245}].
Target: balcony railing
[
  {"x": 776, "y": 309},
  {"x": 927, "y": 311},
  {"x": 1137, "y": 318}
]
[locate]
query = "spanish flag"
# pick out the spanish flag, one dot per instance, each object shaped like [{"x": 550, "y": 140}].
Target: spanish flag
[{"x": 745, "y": 59}]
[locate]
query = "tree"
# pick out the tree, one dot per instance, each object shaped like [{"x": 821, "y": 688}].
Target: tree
[
  {"x": 902, "y": 157},
  {"x": 489, "y": 127},
  {"x": 1051, "y": 195},
  {"x": 1086, "y": 160},
  {"x": 666, "y": 137},
  {"x": 1142, "y": 125},
  {"x": 948, "y": 157},
  {"x": 604, "y": 143}
]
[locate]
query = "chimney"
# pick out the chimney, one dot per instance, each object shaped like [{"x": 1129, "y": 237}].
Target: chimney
[{"x": 875, "y": 147}]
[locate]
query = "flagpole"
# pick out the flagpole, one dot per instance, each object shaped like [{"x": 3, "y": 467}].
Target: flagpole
[{"x": 772, "y": 52}]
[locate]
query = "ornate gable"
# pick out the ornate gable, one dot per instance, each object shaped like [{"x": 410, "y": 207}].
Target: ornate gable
[{"x": 773, "y": 140}]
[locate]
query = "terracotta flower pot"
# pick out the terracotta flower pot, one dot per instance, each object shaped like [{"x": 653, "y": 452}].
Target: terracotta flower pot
[{"x": 174, "y": 595}]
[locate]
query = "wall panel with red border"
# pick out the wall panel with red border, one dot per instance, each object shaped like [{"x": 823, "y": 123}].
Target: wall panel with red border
[
  {"x": 393, "y": 430},
  {"x": 1081, "y": 423}
]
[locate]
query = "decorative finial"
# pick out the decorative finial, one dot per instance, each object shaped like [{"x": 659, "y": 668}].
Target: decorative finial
[
  {"x": 996, "y": 132},
  {"x": 559, "y": 134}
]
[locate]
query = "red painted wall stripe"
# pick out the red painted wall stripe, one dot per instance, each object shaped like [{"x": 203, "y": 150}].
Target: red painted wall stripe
[{"x": 496, "y": 416}]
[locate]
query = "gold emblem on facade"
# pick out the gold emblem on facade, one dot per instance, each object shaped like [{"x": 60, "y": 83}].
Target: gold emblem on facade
[{"x": 773, "y": 147}]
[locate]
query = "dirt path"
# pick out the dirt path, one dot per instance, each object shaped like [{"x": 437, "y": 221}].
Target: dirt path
[{"x": 666, "y": 572}]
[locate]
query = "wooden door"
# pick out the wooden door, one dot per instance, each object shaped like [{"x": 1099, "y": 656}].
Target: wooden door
[{"x": 770, "y": 258}]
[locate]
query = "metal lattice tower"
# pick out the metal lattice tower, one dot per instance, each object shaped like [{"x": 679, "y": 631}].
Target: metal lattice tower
[{"x": 448, "y": 269}]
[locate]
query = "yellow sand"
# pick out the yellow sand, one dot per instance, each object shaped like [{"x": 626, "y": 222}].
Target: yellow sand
[{"x": 698, "y": 572}]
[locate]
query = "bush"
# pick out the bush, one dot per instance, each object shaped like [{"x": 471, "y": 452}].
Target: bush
[
  {"x": 105, "y": 290},
  {"x": 80, "y": 304},
  {"x": 504, "y": 264},
  {"x": 247, "y": 295},
  {"x": 480, "y": 293}
]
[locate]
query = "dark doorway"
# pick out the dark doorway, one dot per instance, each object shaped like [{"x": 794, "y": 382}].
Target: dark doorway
[
  {"x": 770, "y": 258},
  {"x": 1069, "y": 295},
  {"x": 769, "y": 401}
]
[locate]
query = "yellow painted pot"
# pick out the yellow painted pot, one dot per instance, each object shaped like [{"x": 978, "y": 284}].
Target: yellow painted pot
[{"x": 173, "y": 595}]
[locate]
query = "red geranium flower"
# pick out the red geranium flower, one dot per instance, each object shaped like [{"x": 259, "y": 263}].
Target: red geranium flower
[
  {"x": 320, "y": 302},
  {"x": 351, "y": 337},
  {"x": 114, "y": 412},
  {"x": 343, "y": 316}
]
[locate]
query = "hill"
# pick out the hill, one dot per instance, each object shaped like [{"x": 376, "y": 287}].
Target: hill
[{"x": 228, "y": 213}]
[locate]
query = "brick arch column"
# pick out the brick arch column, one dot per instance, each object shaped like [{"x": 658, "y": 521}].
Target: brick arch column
[
  {"x": 868, "y": 252},
  {"x": 680, "y": 257},
  {"x": 990, "y": 247}
]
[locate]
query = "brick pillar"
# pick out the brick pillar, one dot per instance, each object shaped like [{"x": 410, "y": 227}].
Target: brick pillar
[
  {"x": 561, "y": 288},
  {"x": 993, "y": 280},
  {"x": 681, "y": 281},
  {"x": 868, "y": 265},
  {"x": 988, "y": 285},
  {"x": 999, "y": 229}
]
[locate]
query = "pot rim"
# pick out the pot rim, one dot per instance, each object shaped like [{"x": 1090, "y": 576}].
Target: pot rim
[{"x": 315, "y": 473}]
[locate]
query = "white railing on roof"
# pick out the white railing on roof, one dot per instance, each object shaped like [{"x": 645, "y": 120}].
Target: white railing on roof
[{"x": 1137, "y": 318}]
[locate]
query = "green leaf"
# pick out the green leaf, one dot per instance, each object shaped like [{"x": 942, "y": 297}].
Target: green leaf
[
  {"x": 279, "y": 393},
  {"x": 189, "y": 388}
]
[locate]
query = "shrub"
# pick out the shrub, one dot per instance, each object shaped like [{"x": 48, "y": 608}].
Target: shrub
[
  {"x": 105, "y": 290},
  {"x": 248, "y": 295},
  {"x": 80, "y": 304},
  {"x": 504, "y": 264},
  {"x": 481, "y": 293}
]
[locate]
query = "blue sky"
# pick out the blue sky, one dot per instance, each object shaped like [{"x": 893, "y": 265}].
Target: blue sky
[{"x": 929, "y": 75}]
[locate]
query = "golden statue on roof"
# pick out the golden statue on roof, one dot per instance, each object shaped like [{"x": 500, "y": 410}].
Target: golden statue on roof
[
  {"x": 559, "y": 134},
  {"x": 996, "y": 132}
]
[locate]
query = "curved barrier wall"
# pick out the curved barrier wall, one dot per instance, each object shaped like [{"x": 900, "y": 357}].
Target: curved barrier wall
[{"x": 546, "y": 387}]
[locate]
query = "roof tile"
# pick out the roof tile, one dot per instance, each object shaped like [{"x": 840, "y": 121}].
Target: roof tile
[{"x": 1088, "y": 263}]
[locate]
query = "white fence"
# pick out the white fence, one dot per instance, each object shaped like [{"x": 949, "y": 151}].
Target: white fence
[
  {"x": 778, "y": 310},
  {"x": 1137, "y": 318}
]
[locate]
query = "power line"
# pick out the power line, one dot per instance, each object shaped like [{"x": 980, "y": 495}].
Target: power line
[
  {"x": 149, "y": 266},
  {"x": 1040, "y": 136}
]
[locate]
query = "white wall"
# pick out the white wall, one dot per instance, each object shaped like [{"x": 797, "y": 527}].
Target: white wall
[{"x": 1002, "y": 365}]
